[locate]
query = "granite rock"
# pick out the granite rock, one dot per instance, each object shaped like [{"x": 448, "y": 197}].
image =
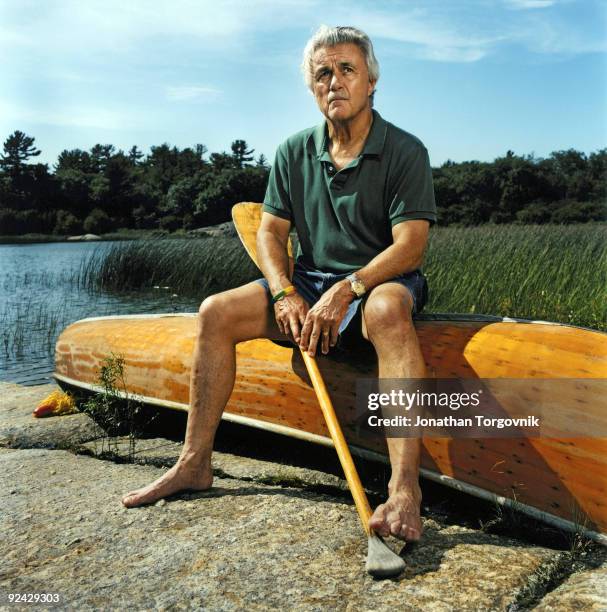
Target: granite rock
[
  {"x": 585, "y": 590},
  {"x": 240, "y": 545},
  {"x": 19, "y": 429},
  {"x": 266, "y": 535}
]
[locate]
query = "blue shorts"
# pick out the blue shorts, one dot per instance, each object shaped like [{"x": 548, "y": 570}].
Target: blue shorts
[{"x": 311, "y": 284}]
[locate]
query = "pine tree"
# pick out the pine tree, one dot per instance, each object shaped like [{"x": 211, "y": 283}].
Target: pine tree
[
  {"x": 18, "y": 148},
  {"x": 241, "y": 154},
  {"x": 262, "y": 161},
  {"x": 135, "y": 155}
]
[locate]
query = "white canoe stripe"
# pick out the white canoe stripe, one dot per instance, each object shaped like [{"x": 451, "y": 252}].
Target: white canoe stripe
[{"x": 138, "y": 316}]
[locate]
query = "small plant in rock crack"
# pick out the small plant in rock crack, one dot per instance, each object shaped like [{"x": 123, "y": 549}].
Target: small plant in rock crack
[
  {"x": 114, "y": 411},
  {"x": 581, "y": 547}
]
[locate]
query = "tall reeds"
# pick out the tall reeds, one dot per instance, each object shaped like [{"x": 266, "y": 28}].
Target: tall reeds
[
  {"x": 197, "y": 267},
  {"x": 556, "y": 273}
]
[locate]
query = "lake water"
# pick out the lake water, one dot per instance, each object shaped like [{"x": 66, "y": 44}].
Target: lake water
[{"x": 39, "y": 298}]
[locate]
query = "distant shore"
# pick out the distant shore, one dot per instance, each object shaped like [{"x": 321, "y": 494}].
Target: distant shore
[
  {"x": 223, "y": 229},
  {"x": 119, "y": 235}
]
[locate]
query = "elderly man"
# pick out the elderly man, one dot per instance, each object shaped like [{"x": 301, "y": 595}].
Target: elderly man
[{"x": 359, "y": 192}]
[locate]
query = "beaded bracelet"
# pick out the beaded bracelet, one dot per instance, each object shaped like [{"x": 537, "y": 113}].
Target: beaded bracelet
[{"x": 282, "y": 294}]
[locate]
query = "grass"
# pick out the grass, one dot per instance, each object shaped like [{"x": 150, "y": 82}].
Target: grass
[
  {"x": 30, "y": 326},
  {"x": 114, "y": 411},
  {"x": 197, "y": 267},
  {"x": 30, "y": 315},
  {"x": 507, "y": 519},
  {"x": 554, "y": 273}
]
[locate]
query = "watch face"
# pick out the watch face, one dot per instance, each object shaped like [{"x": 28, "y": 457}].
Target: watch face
[{"x": 358, "y": 287}]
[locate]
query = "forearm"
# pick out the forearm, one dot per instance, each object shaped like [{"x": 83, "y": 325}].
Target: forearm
[
  {"x": 398, "y": 258},
  {"x": 273, "y": 259}
]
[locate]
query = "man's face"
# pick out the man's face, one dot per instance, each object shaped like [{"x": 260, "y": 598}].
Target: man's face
[{"x": 340, "y": 80}]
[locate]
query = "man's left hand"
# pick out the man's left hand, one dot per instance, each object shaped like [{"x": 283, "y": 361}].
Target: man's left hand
[{"x": 323, "y": 319}]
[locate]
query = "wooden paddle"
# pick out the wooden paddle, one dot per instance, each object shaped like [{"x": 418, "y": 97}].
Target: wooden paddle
[{"x": 381, "y": 561}]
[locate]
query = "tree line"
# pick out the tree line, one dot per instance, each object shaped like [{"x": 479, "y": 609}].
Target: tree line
[{"x": 106, "y": 189}]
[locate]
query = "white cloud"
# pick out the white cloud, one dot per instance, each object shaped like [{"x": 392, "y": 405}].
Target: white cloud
[
  {"x": 453, "y": 54},
  {"x": 114, "y": 27},
  {"x": 191, "y": 92},
  {"x": 556, "y": 37},
  {"x": 530, "y": 4},
  {"x": 80, "y": 116},
  {"x": 112, "y": 33},
  {"x": 472, "y": 30},
  {"x": 118, "y": 26},
  {"x": 434, "y": 36}
]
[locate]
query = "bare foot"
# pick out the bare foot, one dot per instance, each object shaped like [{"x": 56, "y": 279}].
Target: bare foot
[
  {"x": 178, "y": 478},
  {"x": 399, "y": 515}
]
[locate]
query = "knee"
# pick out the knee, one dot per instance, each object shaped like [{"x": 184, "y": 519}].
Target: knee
[
  {"x": 388, "y": 317},
  {"x": 214, "y": 314}
]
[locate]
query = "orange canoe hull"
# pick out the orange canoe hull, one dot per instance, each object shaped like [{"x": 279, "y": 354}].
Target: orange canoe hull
[{"x": 563, "y": 481}]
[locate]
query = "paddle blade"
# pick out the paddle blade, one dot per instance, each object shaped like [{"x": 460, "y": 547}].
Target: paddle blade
[
  {"x": 381, "y": 561},
  {"x": 247, "y": 218}
]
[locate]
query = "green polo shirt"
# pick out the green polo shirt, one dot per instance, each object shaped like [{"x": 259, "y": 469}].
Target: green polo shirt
[{"x": 344, "y": 219}]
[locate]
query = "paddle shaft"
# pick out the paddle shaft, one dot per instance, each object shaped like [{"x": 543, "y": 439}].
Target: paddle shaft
[
  {"x": 247, "y": 217},
  {"x": 341, "y": 446}
]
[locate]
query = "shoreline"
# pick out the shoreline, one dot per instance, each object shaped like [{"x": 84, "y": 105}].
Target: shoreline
[
  {"x": 220, "y": 230},
  {"x": 128, "y": 235}
]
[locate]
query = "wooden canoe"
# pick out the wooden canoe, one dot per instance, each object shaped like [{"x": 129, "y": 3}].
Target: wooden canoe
[{"x": 561, "y": 481}]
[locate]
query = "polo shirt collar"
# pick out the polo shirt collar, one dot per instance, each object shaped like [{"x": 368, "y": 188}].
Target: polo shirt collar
[{"x": 374, "y": 145}]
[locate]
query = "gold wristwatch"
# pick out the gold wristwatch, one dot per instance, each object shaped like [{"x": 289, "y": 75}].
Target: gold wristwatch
[{"x": 356, "y": 285}]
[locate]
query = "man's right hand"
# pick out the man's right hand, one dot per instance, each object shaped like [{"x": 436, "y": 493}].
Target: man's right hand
[{"x": 290, "y": 313}]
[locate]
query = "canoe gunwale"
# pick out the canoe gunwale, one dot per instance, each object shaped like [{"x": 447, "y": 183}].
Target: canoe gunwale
[
  {"x": 443, "y": 479},
  {"x": 431, "y": 316}
]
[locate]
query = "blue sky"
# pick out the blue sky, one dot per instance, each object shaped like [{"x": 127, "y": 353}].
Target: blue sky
[{"x": 471, "y": 78}]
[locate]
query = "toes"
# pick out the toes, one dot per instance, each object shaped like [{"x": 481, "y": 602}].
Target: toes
[
  {"x": 378, "y": 521},
  {"x": 386, "y": 521},
  {"x": 130, "y": 499},
  {"x": 125, "y": 500},
  {"x": 408, "y": 533},
  {"x": 412, "y": 534},
  {"x": 395, "y": 528},
  {"x": 394, "y": 521}
]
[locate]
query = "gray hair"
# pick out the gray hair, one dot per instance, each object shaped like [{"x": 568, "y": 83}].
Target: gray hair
[{"x": 329, "y": 37}]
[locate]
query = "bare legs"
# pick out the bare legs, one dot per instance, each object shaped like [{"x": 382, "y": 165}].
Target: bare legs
[
  {"x": 243, "y": 314},
  {"x": 388, "y": 325},
  {"x": 223, "y": 320}
]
